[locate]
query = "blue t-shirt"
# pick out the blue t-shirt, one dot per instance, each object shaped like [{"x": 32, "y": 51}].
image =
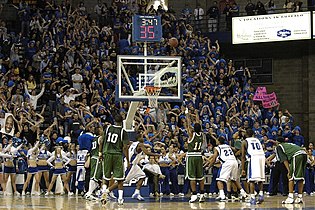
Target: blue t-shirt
[
  {"x": 85, "y": 141},
  {"x": 298, "y": 140}
]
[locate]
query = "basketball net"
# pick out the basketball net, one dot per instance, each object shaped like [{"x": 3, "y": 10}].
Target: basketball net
[{"x": 153, "y": 93}]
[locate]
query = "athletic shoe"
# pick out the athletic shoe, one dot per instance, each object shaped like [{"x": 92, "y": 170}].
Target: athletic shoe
[
  {"x": 193, "y": 199},
  {"x": 235, "y": 197},
  {"x": 120, "y": 202},
  {"x": 138, "y": 197},
  {"x": 172, "y": 194},
  {"x": 161, "y": 194},
  {"x": 104, "y": 198},
  {"x": 260, "y": 198},
  {"x": 252, "y": 201},
  {"x": 202, "y": 199},
  {"x": 219, "y": 198},
  {"x": 209, "y": 195},
  {"x": 16, "y": 193},
  {"x": 48, "y": 193},
  {"x": 28, "y": 193},
  {"x": 111, "y": 196},
  {"x": 151, "y": 195},
  {"x": 181, "y": 194},
  {"x": 205, "y": 195},
  {"x": 288, "y": 201},
  {"x": 92, "y": 198},
  {"x": 23, "y": 193},
  {"x": 86, "y": 196},
  {"x": 298, "y": 200},
  {"x": 243, "y": 196},
  {"x": 70, "y": 194},
  {"x": 37, "y": 193}
]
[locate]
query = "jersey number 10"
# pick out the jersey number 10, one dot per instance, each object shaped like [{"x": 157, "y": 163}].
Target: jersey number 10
[
  {"x": 256, "y": 146},
  {"x": 112, "y": 137}
]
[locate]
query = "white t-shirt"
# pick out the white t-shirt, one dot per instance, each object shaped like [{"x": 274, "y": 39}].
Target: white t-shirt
[{"x": 77, "y": 77}]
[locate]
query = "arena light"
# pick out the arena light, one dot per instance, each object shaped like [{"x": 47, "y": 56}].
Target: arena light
[{"x": 157, "y": 3}]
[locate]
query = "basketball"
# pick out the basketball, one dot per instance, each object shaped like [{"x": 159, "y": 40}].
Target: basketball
[{"x": 173, "y": 42}]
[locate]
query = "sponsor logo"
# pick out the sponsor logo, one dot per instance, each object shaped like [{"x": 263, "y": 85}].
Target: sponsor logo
[{"x": 284, "y": 33}]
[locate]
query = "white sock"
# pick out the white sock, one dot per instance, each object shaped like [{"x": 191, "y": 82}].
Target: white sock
[
  {"x": 137, "y": 191},
  {"x": 92, "y": 186},
  {"x": 120, "y": 194},
  {"x": 261, "y": 193},
  {"x": 104, "y": 187},
  {"x": 221, "y": 193},
  {"x": 252, "y": 196},
  {"x": 242, "y": 191},
  {"x": 290, "y": 195},
  {"x": 300, "y": 195}
]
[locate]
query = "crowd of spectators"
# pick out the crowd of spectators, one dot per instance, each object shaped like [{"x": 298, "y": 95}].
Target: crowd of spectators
[{"x": 59, "y": 74}]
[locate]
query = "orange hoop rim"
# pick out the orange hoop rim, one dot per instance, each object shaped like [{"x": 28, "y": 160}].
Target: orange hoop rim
[{"x": 152, "y": 89}]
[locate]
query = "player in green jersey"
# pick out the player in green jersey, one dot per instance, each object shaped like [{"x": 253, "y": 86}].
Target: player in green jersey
[
  {"x": 294, "y": 159},
  {"x": 194, "y": 163},
  {"x": 95, "y": 165},
  {"x": 112, "y": 147}
]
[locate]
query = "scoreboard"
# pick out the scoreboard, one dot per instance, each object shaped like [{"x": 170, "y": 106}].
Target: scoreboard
[{"x": 146, "y": 28}]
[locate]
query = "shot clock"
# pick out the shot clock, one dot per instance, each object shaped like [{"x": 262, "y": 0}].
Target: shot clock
[{"x": 146, "y": 28}]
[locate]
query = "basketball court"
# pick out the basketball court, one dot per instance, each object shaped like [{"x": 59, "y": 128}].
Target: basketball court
[{"x": 165, "y": 203}]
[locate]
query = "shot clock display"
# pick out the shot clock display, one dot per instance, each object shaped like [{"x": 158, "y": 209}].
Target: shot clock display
[{"x": 146, "y": 28}]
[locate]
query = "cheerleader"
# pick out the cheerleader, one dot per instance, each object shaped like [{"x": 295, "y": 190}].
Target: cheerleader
[
  {"x": 72, "y": 155},
  {"x": 32, "y": 155},
  {"x": 42, "y": 165},
  {"x": 9, "y": 167},
  {"x": 60, "y": 161},
  {"x": 2, "y": 156}
]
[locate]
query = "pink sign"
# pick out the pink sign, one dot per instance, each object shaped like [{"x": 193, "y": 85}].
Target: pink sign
[
  {"x": 259, "y": 94},
  {"x": 270, "y": 104},
  {"x": 270, "y": 97}
]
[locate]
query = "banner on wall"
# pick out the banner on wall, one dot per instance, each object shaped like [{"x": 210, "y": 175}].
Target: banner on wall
[{"x": 271, "y": 28}]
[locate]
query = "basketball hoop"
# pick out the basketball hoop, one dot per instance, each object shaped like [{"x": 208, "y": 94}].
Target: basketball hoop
[{"x": 153, "y": 92}]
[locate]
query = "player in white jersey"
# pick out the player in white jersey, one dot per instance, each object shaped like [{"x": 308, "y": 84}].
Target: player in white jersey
[
  {"x": 253, "y": 149},
  {"x": 228, "y": 170},
  {"x": 137, "y": 150}
]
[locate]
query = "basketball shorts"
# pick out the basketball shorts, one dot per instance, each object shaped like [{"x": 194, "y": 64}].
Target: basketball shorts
[
  {"x": 134, "y": 172},
  {"x": 298, "y": 166},
  {"x": 228, "y": 170},
  {"x": 194, "y": 168},
  {"x": 113, "y": 165},
  {"x": 256, "y": 169},
  {"x": 96, "y": 169}
]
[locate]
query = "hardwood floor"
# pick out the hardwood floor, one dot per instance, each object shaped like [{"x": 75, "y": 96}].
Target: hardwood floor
[{"x": 165, "y": 203}]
